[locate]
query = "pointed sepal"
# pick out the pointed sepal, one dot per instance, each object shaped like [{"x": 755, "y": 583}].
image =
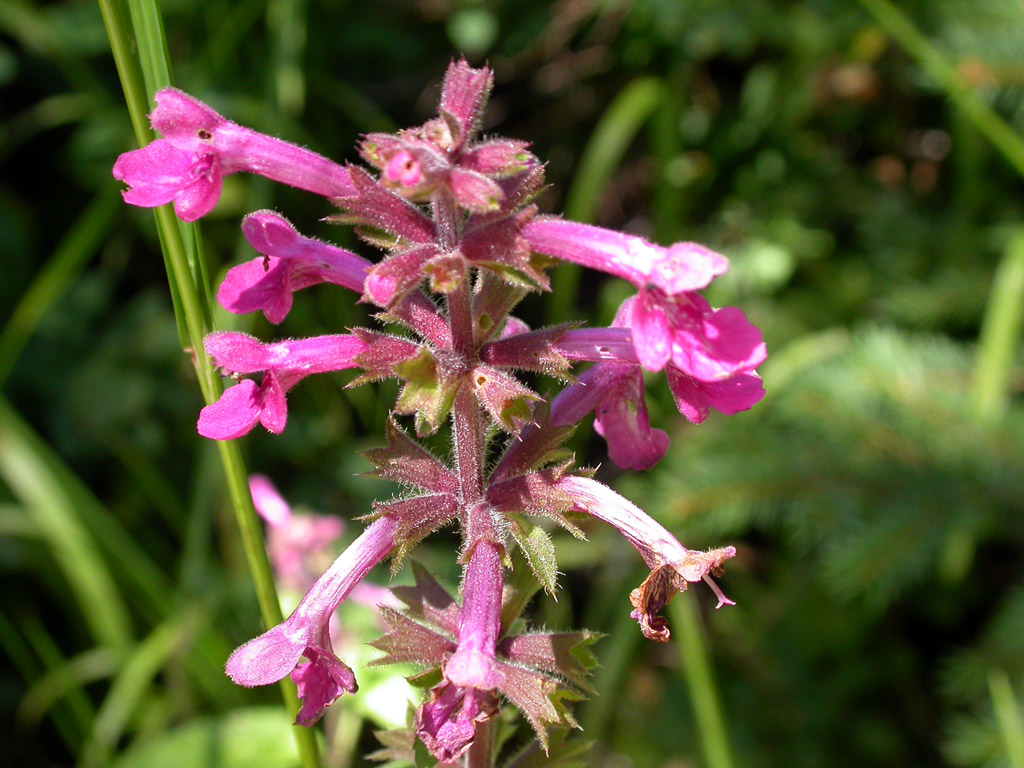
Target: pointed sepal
[
  {"x": 427, "y": 394},
  {"x": 538, "y": 549},
  {"x": 406, "y": 461},
  {"x": 503, "y": 397},
  {"x": 566, "y": 654}
]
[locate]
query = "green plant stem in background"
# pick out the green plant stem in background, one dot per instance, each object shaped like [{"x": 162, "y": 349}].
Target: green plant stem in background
[
  {"x": 189, "y": 285},
  {"x": 52, "y": 506},
  {"x": 1002, "y": 324},
  {"x": 1000, "y": 332},
  {"x": 612, "y": 136},
  {"x": 67, "y": 261},
  {"x": 1004, "y": 704},
  {"x": 700, "y": 681},
  {"x": 995, "y": 129}
]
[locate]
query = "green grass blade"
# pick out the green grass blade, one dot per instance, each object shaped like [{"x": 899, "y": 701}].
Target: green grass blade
[
  {"x": 700, "y": 679},
  {"x": 189, "y": 279},
  {"x": 132, "y": 684},
  {"x": 1007, "y": 141},
  {"x": 1004, "y": 704},
  {"x": 26, "y": 661},
  {"x": 1000, "y": 333},
  {"x": 67, "y": 680},
  {"x": 149, "y": 590},
  {"x": 53, "y": 504},
  {"x": 82, "y": 240}
]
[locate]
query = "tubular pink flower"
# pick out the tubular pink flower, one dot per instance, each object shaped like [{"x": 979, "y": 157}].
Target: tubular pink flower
[
  {"x": 446, "y": 723},
  {"x": 615, "y": 393},
  {"x": 285, "y": 363},
  {"x": 670, "y": 321},
  {"x": 290, "y": 262},
  {"x": 323, "y": 677},
  {"x": 200, "y": 147},
  {"x": 679, "y": 268},
  {"x": 295, "y": 543},
  {"x": 672, "y": 565},
  {"x": 694, "y": 398},
  {"x": 472, "y": 664}
]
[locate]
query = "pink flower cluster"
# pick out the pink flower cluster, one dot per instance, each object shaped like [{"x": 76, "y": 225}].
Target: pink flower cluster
[{"x": 462, "y": 243}]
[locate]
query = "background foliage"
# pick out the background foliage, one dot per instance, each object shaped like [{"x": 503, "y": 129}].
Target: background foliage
[{"x": 874, "y": 495}]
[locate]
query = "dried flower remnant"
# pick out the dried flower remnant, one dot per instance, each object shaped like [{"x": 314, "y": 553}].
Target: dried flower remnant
[{"x": 462, "y": 244}]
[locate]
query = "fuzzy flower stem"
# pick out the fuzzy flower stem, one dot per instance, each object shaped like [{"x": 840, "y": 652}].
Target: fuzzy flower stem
[
  {"x": 468, "y": 433},
  {"x": 446, "y": 218}
]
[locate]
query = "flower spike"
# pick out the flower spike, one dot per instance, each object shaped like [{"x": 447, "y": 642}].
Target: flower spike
[{"x": 461, "y": 243}]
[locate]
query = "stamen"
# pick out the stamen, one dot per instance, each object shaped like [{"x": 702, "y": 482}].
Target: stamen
[{"x": 722, "y": 599}]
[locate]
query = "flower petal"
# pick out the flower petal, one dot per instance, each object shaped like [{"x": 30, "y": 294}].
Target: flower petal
[{"x": 233, "y": 415}]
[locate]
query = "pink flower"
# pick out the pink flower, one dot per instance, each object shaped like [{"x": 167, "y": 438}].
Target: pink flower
[
  {"x": 199, "y": 148},
  {"x": 670, "y": 321},
  {"x": 704, "y": 343},
  {"x": 323, "y": 677},
  {"x": 446, "y": 722},
  {"x": 672, "y": 566},
  {"x": 290, "y": 262},
  {"x": 296, "y": 543},
  {"x": 285, "y": 363},
  {"x": 615, "y": 392}
]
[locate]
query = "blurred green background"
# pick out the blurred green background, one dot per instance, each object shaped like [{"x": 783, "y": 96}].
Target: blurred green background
[{"x": 862, "y": 169}]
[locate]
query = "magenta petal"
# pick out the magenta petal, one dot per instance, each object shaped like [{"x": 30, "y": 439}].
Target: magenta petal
[
  {"x": 274, "y": 413},
  {"x": 201, "y": 196},
  {"x": 155, "y": 173},
  {"x": 183, "y": 119},
  {"x": 687, "y": 267},
  {"x": 236, "y": 352},
  {"x": 695, "y": 398},
  {"x": 258, "y": 284},
  {"x": 443, "y": 723},
  {"x": 320, "y": 682},
  {"x": 268, "y": 501},
  {"x": 269, "y": 657},
  {"x": 271, "y": 234},
  {"x": 625, "y": 425},
  {"x": 651, "y": 335},
  {"x": 233, "y": 415},
  {"x": 727, "y": 343}
]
